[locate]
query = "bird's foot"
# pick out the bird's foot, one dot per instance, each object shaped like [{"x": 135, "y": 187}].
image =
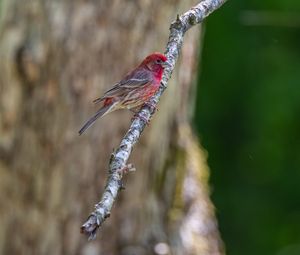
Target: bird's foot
[
  {"x": 141, "y": 117},
  {"x": 151, "y": 105}
]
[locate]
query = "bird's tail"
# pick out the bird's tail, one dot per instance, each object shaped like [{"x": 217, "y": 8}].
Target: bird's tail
[{"x": 102, "y": 111}]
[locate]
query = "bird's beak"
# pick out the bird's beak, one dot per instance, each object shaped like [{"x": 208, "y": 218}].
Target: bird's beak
[{"x": 166, "y": 64}]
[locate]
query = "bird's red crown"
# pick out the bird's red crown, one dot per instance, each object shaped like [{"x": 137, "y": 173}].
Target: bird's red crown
[{"x": 154, "y": 57}]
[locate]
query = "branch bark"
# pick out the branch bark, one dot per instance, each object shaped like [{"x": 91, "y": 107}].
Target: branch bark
[{"x": 118, "y": 162}]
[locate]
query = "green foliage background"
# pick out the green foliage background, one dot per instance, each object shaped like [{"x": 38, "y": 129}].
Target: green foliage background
[{"x": 248, "y": 119}]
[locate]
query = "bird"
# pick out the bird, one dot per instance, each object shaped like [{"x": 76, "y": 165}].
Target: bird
[{"x": 133, "y": 90}]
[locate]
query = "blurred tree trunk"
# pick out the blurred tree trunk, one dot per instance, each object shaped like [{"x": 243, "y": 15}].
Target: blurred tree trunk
[{"x": 56, "y": 57}]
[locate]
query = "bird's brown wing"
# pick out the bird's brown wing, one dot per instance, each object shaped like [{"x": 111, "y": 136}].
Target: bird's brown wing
[{"x": 133, "y": 80}]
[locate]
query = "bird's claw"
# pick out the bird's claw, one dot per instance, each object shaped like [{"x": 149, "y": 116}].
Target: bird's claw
[
  {"x": 151, "y": 105},
  {"x": 139, "y": 116}
]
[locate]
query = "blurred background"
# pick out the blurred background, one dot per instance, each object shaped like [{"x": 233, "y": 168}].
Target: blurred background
[
  {"x": 247, "y": 118},
  {"x": 57, "y": 56},
  {"x": 234, "y": 91}
]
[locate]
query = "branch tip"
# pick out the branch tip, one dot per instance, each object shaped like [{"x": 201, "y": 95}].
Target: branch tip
[{"x": 90, "y": 227}]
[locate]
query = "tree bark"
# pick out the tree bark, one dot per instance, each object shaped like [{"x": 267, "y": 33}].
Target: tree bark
[{"x": 57, "y": 56}]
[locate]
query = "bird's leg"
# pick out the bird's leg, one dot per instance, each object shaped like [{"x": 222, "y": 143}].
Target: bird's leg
[
  {"x": 135, "y": 110},
  {"x": 151, "y": 105},
  {"x": 139, "y": 116}
]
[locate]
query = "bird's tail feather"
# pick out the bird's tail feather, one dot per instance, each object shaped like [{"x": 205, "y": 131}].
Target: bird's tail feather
[
  {"x": 102, "y": 111},
  {"x": 98, "y": 100}
]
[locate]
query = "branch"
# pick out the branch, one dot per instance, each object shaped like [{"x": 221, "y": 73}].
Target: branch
[{"x": 118, "y": 162}]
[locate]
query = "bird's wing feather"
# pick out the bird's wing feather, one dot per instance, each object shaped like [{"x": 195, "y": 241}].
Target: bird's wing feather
[{"x": 135, "y": 79}]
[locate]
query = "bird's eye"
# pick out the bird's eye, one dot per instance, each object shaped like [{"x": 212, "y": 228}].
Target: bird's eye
[{"x": 158, "y": 61}]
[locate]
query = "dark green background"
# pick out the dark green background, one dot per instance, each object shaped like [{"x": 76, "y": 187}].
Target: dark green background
[{"x": 248, "y": 119}]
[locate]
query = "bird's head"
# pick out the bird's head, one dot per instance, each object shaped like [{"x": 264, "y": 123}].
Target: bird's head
[{"x": 156, "y": 62}]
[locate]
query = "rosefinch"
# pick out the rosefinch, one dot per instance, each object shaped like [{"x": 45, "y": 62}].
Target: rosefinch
[{"x": 134, "y": 90}]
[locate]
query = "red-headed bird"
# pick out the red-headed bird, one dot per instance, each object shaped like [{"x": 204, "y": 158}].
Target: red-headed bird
[{"x": 134, "y": 90}]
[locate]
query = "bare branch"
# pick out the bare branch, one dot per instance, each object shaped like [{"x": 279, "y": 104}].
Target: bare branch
[{"x": 118, "y": 162}]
